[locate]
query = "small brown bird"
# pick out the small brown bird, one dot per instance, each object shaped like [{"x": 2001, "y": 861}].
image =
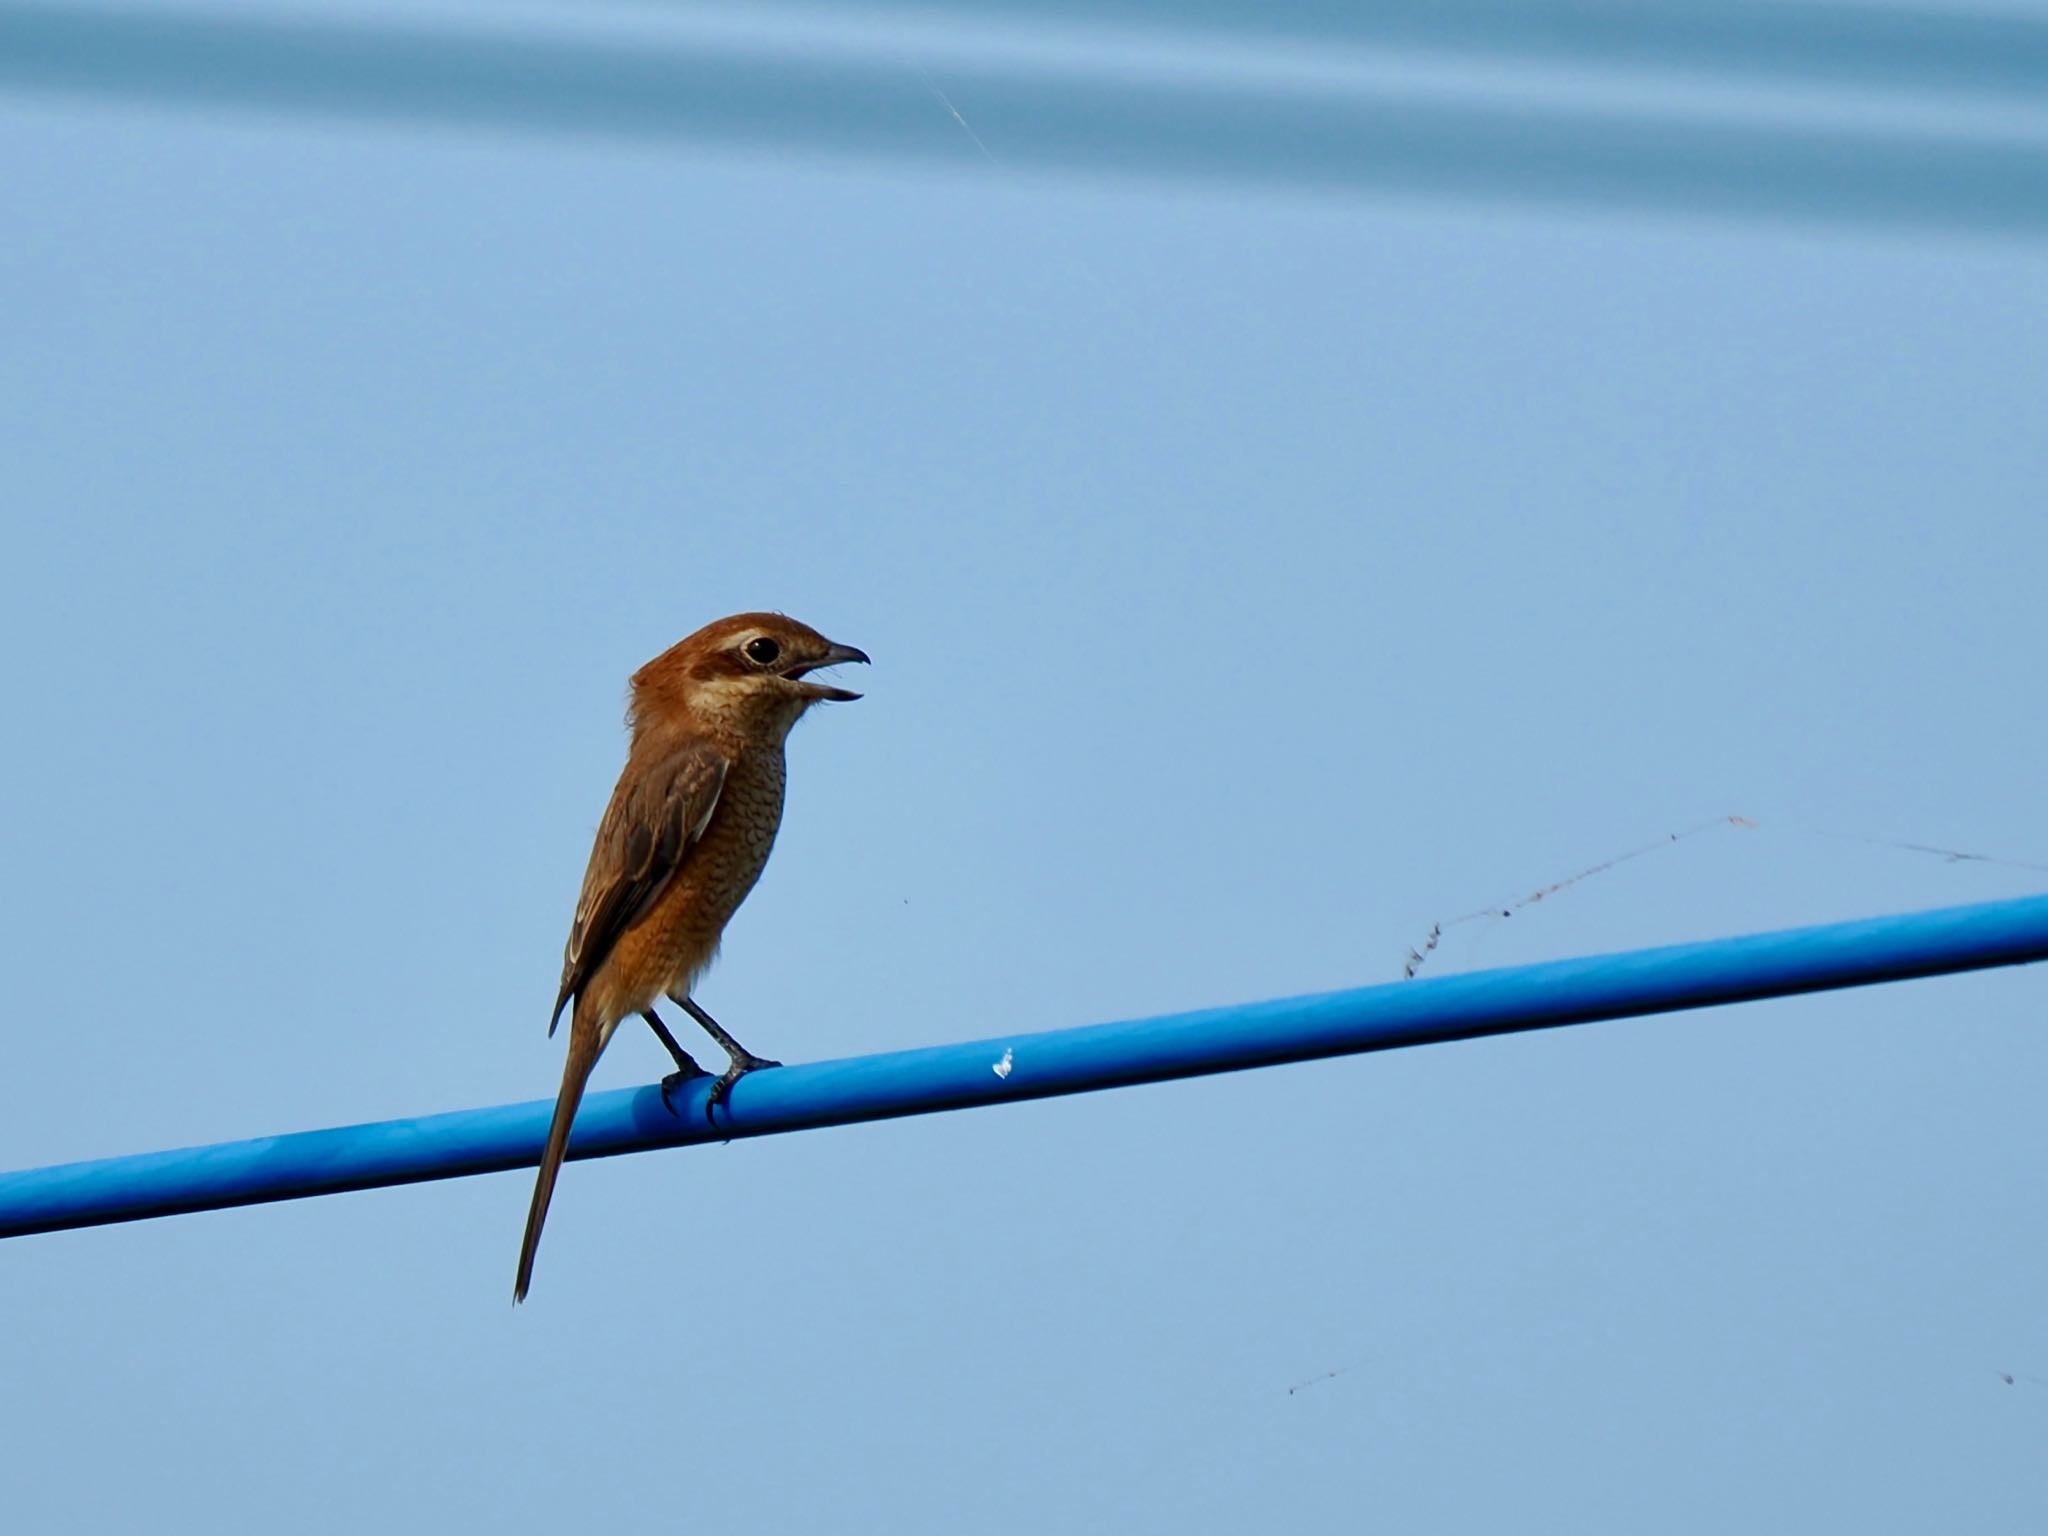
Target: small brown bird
[{"x": 684, "y": 839}]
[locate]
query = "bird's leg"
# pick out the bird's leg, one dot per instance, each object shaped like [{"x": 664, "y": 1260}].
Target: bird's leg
[
  {"x": 743, "y": 1060},
  {"x": 686, "y": 1064}
]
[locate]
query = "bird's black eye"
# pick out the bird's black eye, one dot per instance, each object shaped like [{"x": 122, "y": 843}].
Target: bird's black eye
[{"x": 762, "y": 651}]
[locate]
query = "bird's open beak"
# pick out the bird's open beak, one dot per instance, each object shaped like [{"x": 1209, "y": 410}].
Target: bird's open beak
[{"x": 825, "y": 691}]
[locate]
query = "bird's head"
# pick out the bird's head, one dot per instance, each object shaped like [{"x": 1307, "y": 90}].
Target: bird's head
[{"x": 749, "y": 674}]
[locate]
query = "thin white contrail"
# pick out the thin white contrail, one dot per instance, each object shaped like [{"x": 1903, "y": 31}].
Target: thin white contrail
[{"x": 947, "y": 102}]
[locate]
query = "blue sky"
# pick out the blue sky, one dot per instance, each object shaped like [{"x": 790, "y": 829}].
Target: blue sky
[{"x": 1252, "y": 578}]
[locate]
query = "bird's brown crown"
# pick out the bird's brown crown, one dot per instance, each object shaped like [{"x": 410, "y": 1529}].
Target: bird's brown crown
[{"x": 745, "y": 673}]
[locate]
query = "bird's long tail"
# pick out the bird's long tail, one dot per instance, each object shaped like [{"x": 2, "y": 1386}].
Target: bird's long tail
[{"x": 586, "y": 1040}]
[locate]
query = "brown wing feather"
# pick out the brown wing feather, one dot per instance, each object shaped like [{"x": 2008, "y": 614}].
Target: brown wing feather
[{"x": 654, "y": 817}]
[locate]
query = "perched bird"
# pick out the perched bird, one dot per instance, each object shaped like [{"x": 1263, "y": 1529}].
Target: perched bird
[{"x": 684, "y": 839}]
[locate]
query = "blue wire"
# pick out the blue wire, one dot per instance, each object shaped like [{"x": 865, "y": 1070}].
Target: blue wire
[{"x": 1017, "y": 1067}]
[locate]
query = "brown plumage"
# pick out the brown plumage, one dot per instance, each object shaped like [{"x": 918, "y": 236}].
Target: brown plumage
[{"x": 685, "y": 837}]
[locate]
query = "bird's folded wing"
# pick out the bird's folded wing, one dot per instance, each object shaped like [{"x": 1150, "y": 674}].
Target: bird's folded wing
[{"x": 654, "y": 819}]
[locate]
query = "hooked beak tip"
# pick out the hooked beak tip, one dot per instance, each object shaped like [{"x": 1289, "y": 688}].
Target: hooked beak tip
[{"x": 835, "y": 655}]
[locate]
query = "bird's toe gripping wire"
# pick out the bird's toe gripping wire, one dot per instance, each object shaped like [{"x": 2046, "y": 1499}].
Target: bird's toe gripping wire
[
  {"x": 686, "y": 1064},
  {"x": 742, "y": 1063},
  {"x": 743, "y": 1060}
]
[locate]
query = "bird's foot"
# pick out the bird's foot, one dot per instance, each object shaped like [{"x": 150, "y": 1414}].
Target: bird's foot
[
  {"x": 743, "y": 1062},
  {"x": 675, "y": 1080}
]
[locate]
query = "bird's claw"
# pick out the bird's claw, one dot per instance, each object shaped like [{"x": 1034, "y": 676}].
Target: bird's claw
[
  {"x": 741, "y": 1066},
  {"x": 675, "y": 1080}
]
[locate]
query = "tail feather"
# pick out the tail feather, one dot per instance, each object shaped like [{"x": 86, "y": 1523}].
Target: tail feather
[{"x": 585, "y": 1042}]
